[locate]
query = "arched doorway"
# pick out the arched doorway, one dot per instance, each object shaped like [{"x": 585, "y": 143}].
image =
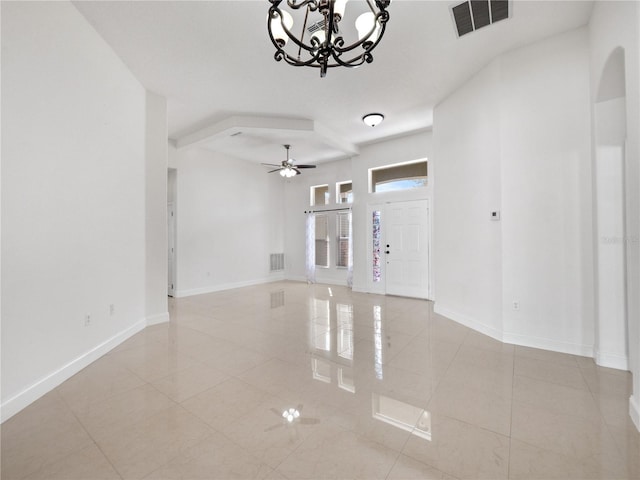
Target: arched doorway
[{"x": 612, "y": 332}]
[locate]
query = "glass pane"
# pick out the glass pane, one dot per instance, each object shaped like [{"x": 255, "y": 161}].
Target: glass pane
[
  {"x": 345, "y": 192},
  {"x": 343, "y": 233},
  {"x": 377, "y": 271},
  {"x": 322, "y": 241},
  {"x": 399, "y": 177},
  {"x": 404, "y": 184},
  {"x": 320, "y": 195}
]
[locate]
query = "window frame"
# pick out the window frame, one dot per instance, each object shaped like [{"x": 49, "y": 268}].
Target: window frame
[
  {"x": 312, "y": 195},
  {"x": 340, "y": 239},
  {"x": 339, "y": 193},
  {"x": 326, "y": 240},
  {"x": 372, "y": 186}
]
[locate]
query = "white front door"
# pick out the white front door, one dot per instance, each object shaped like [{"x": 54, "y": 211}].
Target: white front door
[{"x": 405, "y": 228}]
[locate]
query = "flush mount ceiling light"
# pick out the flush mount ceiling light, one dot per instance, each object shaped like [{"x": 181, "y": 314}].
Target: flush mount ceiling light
[
  {"x": 373, "y": 119},
  {"x": 319, "y": 41}
]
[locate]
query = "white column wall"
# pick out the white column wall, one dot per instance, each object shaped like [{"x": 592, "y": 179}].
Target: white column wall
[{"x": 156, "y": 162}]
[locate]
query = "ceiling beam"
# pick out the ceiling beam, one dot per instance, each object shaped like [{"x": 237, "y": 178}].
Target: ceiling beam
[{"x": 239, "y": 123}]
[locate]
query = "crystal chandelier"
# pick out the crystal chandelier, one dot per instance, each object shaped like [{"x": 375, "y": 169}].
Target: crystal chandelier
[{"x": 319, "y": 41}]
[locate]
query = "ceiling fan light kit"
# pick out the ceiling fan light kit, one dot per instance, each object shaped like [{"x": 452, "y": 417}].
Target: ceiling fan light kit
[
  {"x": 319, "y": 41},
  {"x": 287, "y": 168}
]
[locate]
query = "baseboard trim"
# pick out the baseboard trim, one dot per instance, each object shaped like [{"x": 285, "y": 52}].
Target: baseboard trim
[
  {"x": 228, "y": 286},
  {"x": 634, "y": 411},
  {"x": 549, "y": 344},
  {"x": 296, "y": 278},
  {"x": 32, "y": 393},
  {"x": 157, "y": 319},
  {"x": 468, "y": 321},
  {"x": 515, "y": 338},
  {"x": 612, "y": 360}
]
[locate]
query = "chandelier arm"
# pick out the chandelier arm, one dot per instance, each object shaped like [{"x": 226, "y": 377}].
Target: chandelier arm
[
  {"x": 381, "y": 19},
  {"x": 297, "y": 62},
  {"x": 304, "y": 27},
  {"x": 361, "y": 59},
  {"x": 311, "y": 4},
  {"x": 383, "y": 4}
]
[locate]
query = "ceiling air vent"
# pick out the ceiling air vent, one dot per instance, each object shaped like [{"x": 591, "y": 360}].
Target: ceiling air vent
[{"x": 474, "y": 14}]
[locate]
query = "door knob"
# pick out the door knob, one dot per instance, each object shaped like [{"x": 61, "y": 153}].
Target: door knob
[{"x": 387, "y": 251}]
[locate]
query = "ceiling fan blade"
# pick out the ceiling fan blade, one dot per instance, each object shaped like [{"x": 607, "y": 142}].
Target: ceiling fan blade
[
  {"x": 276, "y": 170},
  {"x": 269, "y": 164},
  {"x": 305, "y": 166},
  {"x": 298, "y": 172},
  {"x": 280, "y": 425},
  {"x": 309, "y": 421}
]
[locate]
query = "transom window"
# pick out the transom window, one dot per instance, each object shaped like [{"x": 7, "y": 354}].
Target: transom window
[
  {"x": 344, "y": 192},
  {"x": 320, "y": 195},
  {"x": 401, "y": 176}
]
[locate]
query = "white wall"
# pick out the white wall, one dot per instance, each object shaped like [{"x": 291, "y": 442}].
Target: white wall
[
  {"x": 229, "y": 220},
  {"x": 613, "y": 25},
  {"x": 73, "y": 199},
  {"x": 467, "y": 243},
  {"x": 546, "y": 194},
  {"x": 515, "y": 138},
  {"x": 156, "y": 161}
]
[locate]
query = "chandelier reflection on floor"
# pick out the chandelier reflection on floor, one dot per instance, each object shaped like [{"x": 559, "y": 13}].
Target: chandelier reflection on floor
[{"x": 319, "y": 40}]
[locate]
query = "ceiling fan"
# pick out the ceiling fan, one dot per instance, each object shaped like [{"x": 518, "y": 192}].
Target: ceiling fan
[{"x": 287, "y": 168}]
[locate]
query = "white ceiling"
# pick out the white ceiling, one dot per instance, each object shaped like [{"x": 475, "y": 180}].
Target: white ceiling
[{"x": 213, "y": 61}]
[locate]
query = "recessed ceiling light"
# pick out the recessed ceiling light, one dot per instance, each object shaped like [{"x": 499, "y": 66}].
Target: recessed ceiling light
[{"x": 373, "y": 119}]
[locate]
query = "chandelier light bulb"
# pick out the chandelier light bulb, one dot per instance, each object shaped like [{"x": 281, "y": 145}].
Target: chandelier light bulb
[
  {"x": 365, "y": 24},
  {"x": 320, "y": 36},
  {"x": 276, "y": 20}
]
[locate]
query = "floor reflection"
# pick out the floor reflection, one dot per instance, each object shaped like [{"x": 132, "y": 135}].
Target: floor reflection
[
  {"x": 332, "y": 362},
  {"x": 290, "y": 380}
]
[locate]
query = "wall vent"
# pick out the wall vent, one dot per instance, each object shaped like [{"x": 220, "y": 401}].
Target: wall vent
[
  {"x": 276, "y": 262},
  {"x": 471, "y": 15}
]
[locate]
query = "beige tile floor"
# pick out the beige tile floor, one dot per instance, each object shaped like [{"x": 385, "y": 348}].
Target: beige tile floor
[{"x": 377, "y": 387}]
